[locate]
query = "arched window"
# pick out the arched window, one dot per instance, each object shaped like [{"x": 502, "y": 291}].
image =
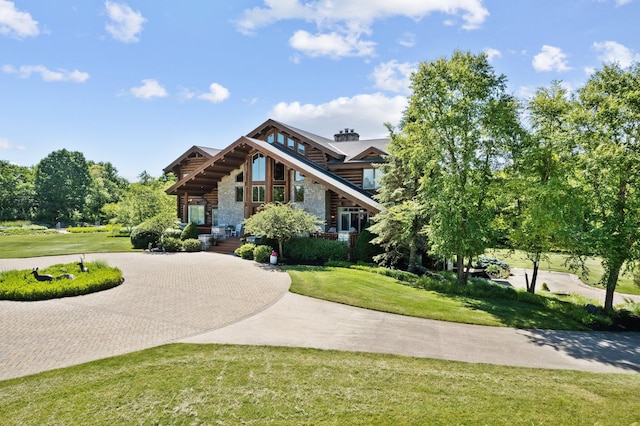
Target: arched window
[{"x": 258, "y": 168}]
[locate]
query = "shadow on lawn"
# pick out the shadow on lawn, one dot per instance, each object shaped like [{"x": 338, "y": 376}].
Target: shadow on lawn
[{"x": 616, "y": 349}]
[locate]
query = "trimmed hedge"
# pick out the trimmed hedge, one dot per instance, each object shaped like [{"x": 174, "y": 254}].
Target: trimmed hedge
[
  {"x": 315, "y": 250},
  {"x": 245, "y": 251},
  {"x": 262, "y": 253},
  {"x": 192, "y": 245},
  {"x": 21, "y": 285},
  {"x": 189, "y": 232},
  {"x": 86, "y": 229},
  {"x": 171, "y": 244}
]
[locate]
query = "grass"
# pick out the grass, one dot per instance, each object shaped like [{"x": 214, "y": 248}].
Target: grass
[
  {"x": 23, "y": 286},
  {"x": 215, "y": 384},
  {"x": 373, "y": 291},
  {"x": 19, "y": 246},
  {"x": 557, "y": 262}
]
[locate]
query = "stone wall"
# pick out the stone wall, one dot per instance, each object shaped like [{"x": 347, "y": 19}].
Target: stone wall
[
  {"x": 314, "y": 200},
  {"x": 230, "y": 211}
]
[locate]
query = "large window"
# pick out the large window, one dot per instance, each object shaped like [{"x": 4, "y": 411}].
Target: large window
[
  {"x": 258, "y": 168},
  {"x": 239, "y": 194},
  {"x": 278, "y": 171},
  {"x": 258, "y": 193},
  {"x": 352, "y": 219},
  {"x": 196, "y": 214},
  {"x": 371, "y": 178},
  {"x": 214, "y": 216},
  {"x": 278, "y": 194}
]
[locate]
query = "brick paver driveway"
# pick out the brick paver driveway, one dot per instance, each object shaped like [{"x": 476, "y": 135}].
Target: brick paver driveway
[{"x": 165, "y": 297}]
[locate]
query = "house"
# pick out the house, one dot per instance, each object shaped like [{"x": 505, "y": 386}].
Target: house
[{"x": 334, "y": 179}]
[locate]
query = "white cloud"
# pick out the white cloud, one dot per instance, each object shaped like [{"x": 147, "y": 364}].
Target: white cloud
[
  {"x": 364, "y": 113},
  {"x": 46, "y": 74},
  {"x": 614, "y": 52},
  {"x": 125, "y": 25},
  {"x": 393, "y": 76},
  {"x": 332, "y": 44},
  {"x": 492, "y": 53},
  {"x": 407, "y": 40},
  {"x": 551, "y": 58},
  {"x": 617, "y": 2},
  {"x": 6, "y": 145},
  {"x": 216, "y": 94},
  {"x": 150, "y": 89},
  {"x": 341, "y": 24},
  {"x": 15, "y": 23}
]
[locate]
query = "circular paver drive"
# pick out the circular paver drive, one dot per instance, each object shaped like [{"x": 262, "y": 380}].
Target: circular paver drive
[{"x": 165, "y": 297}]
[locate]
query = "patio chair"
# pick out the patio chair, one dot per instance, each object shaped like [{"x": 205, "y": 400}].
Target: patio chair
[{"x": 237, "y": 231}]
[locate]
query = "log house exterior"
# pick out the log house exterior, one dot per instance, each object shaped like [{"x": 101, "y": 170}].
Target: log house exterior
[{"x": 334, "y": 179}]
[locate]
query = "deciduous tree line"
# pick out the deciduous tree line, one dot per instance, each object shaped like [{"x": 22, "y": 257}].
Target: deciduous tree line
[
  {"x": 471, "y": 166},
  {"x": 65, "y": 187}
]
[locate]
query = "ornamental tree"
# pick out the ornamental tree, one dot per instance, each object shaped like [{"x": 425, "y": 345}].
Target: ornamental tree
[{"x": 281, "y": 222}]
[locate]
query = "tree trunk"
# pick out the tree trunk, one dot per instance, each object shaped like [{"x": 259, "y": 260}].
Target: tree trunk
[
  {"x": 413, "y": 256},
  {"x": 612, "y": 281},
  {"x": 460, "y": 269},
  {"x": 531, "y": 287},
  {"x": 280, "y": 248}
]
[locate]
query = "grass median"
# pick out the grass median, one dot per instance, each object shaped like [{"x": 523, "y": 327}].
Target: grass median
[{"x": 381, "y": 293}]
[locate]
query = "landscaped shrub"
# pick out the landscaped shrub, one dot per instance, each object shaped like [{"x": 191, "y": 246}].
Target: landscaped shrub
[
  {"x": 364, "y": 251},
  {"x": 315, "y": 250},
  {"x": 484, "y": 262},
  {"x": 192, "y": 244},
  {"x": 86, "y": 229},
  {"x": 172, "y": 232},
  {"x": 171, "y": 244},
  {"x": 190, "y": 231},
  {"x": 150, "y": 231},
  {"x": 262, "y": 253},
  {"x": 22, "y": 285},
  {"x": 245, "y": 251}
]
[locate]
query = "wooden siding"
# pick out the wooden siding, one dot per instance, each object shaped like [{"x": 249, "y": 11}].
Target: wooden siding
[
  {"x": 352, "y": 175},
  {"x": 317, "y": 156}
]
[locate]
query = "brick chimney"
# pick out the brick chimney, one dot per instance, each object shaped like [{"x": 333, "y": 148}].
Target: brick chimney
[{"x": 346, "y": 135}]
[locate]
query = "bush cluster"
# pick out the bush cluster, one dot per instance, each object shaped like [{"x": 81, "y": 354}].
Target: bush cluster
[
  {"x": 189, "y": 232},
  {"x": 245, "y": 251},
  {"x": 484, "y": 262},
  {"x": 315, "y": 250},
  {"x": 149, "y": 232},
  {"x": 192, "y": 245},
  {"x": 21, "y": 284},
  {"x": 171, "y": 244},
  {"x": 262, "y": 253},
  {"x": 86, "y": 229}
]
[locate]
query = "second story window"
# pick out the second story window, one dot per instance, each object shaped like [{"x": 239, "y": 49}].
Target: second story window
[
  {"x": 258, "y": 168},
  {"x": 371, "y": 178}
]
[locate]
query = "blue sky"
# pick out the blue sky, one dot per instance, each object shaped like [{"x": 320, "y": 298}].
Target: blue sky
[{"x": 137, "y": 83}]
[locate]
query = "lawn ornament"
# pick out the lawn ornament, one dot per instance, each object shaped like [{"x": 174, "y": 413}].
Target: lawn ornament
[
  {"x": 81, "y": 265},
  {"x": 41, "y": 277}
]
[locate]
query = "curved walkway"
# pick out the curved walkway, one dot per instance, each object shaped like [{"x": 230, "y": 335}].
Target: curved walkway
[{"x": 211, "y": 298}]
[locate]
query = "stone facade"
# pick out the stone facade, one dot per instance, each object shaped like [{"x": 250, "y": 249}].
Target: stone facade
[
  {"x": 230, "y": 211},
  {"x": 314, "y": 199}
]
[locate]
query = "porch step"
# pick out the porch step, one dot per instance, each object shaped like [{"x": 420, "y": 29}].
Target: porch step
[{"x": 226, "y": 246}]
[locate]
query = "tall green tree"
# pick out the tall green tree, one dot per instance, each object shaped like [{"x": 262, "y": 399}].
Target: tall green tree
[
  {"x": 607, "y": 124},
  {"x": 399, "y": 227},
  {"x": 106, "y": 187},
  {"x": 459, "y": 119},
  {"x": 281, "y": 222},
  {"x": 545, "y": 205},
  {"x": 142, "y": 200},
  {"x": 17, "y": 192},
  {"x": 62, "y": 181}
]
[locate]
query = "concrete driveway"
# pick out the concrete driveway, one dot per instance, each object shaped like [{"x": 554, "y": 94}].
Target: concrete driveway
[{"x": 213, "y": 298}]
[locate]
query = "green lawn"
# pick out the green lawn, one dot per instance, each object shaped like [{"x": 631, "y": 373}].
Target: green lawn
[
  {"x": 381, "y": 293},
  {"x": 557, "y": 262},
  {"x": 214, "y": 384},
  {"x": 19, "y": 246}
]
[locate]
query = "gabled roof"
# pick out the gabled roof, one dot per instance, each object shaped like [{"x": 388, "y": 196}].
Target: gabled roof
[
  {"x": 201, "y": 150},
  {"x": 358, "y": 150},
  {"x": 233, "y": 156}
]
